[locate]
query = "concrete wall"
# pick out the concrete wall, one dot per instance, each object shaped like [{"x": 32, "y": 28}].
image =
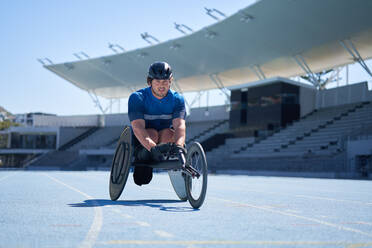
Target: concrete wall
[
  {"x": 67, "y": 121},
  {"x": 307, "y": 100},
  {"x": 214, "y": 113},
  {"x": 68, "y": 133},
  {"x": 343, "y": 95},
  {"x": 359, "y": 147},
  {"x": 82, "y": 120},
  {"x": 196, "y": 115},
  {"x": 116, "y": 120}
]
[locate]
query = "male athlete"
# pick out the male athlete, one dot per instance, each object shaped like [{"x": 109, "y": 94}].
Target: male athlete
[{"x": 157, "y": 115}]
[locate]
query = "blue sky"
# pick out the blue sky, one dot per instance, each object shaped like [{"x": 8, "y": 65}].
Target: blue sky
[{"x": 57, "y": 29}]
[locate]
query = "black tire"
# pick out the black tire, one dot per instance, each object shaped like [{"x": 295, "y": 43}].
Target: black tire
[
  {"x": 196, "y": 188},
  {"x": 121, "y": 165}
]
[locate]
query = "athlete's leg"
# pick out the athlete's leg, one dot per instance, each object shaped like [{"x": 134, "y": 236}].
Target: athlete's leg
[
  {"x": 143, "y": 175},
  {"x": 166, "y": 135},
  {"x": 141, "y": 153}
]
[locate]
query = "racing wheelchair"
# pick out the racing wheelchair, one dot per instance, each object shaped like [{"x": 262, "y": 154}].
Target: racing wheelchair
[{"x": 188, "y": 174}]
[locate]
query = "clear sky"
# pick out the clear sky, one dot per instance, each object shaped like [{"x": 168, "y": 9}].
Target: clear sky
[{"x": 57, "y": 29}]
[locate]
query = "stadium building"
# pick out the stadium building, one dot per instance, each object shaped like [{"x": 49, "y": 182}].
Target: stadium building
[{"x": 273, "y": 124}]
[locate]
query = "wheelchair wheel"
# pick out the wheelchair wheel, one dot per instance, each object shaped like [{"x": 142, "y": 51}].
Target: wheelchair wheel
[
  {"x": 121, "y": 164},
  {"x": 196, "y": 188}
]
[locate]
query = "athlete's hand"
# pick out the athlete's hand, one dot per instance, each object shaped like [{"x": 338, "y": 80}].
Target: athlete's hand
[
  {"x": 177, "y": 148},
  {"x": 156, "y": 154}
]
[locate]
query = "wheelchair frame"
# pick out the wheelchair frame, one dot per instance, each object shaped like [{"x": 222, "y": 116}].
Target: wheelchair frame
[{"x": 123, "y": 160}]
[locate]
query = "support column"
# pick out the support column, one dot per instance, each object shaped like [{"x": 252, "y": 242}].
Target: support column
[
  {"x": 96, "y": 101},
  {"x": 218, "y": 82},
  {"x": 302, "y": 63},
  {"x": 178, "y": 89},
  {"x": 351, "y": 49},
  {"x": 259, "y": 73}
]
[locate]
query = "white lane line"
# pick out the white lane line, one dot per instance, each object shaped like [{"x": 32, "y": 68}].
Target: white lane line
[
  {"x": 5, "y": 177},
  {"x": 96, "y": 226},
  {"x": 122, "y": 214},
  {"x": 364, "y": 223},
  {"x": 301, "y": 196},
  {"x": 297, "y": 216},
  {"x": 245, "y": 186},
  {"x": 293, "y": 211},
  {"x": 232, "y": 242},
  {"x": 331, "y": 199},
  {"x": 163, "y": 234},
  {"x": 142, "y": 223}
]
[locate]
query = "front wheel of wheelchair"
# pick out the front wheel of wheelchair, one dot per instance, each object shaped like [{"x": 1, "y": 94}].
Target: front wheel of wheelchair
[
  {"x": 121, "y": 164},
  {"x": 196, "y": 187}
]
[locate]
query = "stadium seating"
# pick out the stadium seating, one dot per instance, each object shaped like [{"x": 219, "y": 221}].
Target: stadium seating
[
  {"x": 318, "y": 135},
  {"x": 310, "y": 133},
  {"x": 100, "y": 138},
  {"x": 55, "y": 160},
  {"x": 199, "y": 131}
]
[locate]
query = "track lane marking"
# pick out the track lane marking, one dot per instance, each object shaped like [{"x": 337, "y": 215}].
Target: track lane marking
[
  {"x": 142, "y": 223},
  {"x": 301, "y": 196},
  {"x": 333, "y": 199},
  {"x": 163, "y": 234},
  {"x": 245, "y": 185},
  {"x": 96, "y": 226},
  {"x": 231, "y": 242},
  {"x": 297, "y": 216},
  {"x": 7, "y": 176},
  {"x": 160, "y": 233},
  {"x": 127, "y": 216}
]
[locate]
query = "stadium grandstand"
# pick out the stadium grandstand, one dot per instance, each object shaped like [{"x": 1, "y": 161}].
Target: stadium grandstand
[{"x": 274, "y": 123}]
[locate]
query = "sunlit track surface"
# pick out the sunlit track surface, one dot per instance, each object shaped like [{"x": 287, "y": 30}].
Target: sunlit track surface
[{"x": 72, "y": 209}]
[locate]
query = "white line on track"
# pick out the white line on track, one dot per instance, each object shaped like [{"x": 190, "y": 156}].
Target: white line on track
[
  {"x": 304, "y": 187},
  {"x": 300, "y": 196},
  {"x": 364, "y": 223},
  {"x": 96, "y": 226},
  {"x": 297, "y": 216},
  {"x": 5, "y": 177},
  {"x": 163, "y": 234},
  {"x": 332, "y": 199},
  {"x": 191, "y": 243},
  {"x": 142, "y": 223}
]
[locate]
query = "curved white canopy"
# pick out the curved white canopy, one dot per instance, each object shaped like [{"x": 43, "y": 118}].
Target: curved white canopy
[{"x": 276, "y": 32}]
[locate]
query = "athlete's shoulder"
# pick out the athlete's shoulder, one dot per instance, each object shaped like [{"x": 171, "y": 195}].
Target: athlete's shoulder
[
  {"x": 139, "y": 95},
  {"x": 177, "y": 95}
]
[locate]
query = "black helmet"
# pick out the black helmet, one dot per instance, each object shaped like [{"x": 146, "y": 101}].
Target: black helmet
[{"x": 160, "y": 70}]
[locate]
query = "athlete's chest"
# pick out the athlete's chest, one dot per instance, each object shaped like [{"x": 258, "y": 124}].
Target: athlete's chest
[{"x": 163, "y": 106}]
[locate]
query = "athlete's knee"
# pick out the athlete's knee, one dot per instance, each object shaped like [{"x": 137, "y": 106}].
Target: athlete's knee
[{"x": 166, "y": 135}]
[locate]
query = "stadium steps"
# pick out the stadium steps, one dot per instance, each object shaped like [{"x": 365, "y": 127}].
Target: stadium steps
[
  {"x": 79, "y": 138},
  {"x": 265, "y": 137},
  {"x": 215, "y": 141},
  {"x": 300, "y": 130},
  {"x": 99, "y": 139},
  {"x": 210, "y": 130},
  {"x": 330, "y": 136},
  {"x": 113, "y": 142},
  {"x": 59, "y": 159}
]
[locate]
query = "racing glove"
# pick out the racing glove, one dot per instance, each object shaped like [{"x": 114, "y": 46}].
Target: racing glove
[
  {"x": 156, "y": 154},
  {"x": 178, "y": 149}
]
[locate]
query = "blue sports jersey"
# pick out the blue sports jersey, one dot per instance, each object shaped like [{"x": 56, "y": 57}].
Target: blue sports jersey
[{"x": 157, "y": 113}]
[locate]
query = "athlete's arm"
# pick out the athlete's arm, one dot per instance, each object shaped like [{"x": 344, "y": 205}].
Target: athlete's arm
[
  {"x": 142, "y": 135},
  {"x": 179, "y": 126}
]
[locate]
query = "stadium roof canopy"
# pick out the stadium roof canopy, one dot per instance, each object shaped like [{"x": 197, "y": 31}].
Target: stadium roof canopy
[{"x": 267, "y": 39}]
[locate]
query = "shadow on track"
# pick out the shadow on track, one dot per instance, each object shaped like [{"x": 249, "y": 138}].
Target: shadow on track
[{"x": 131, "y": 203}]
